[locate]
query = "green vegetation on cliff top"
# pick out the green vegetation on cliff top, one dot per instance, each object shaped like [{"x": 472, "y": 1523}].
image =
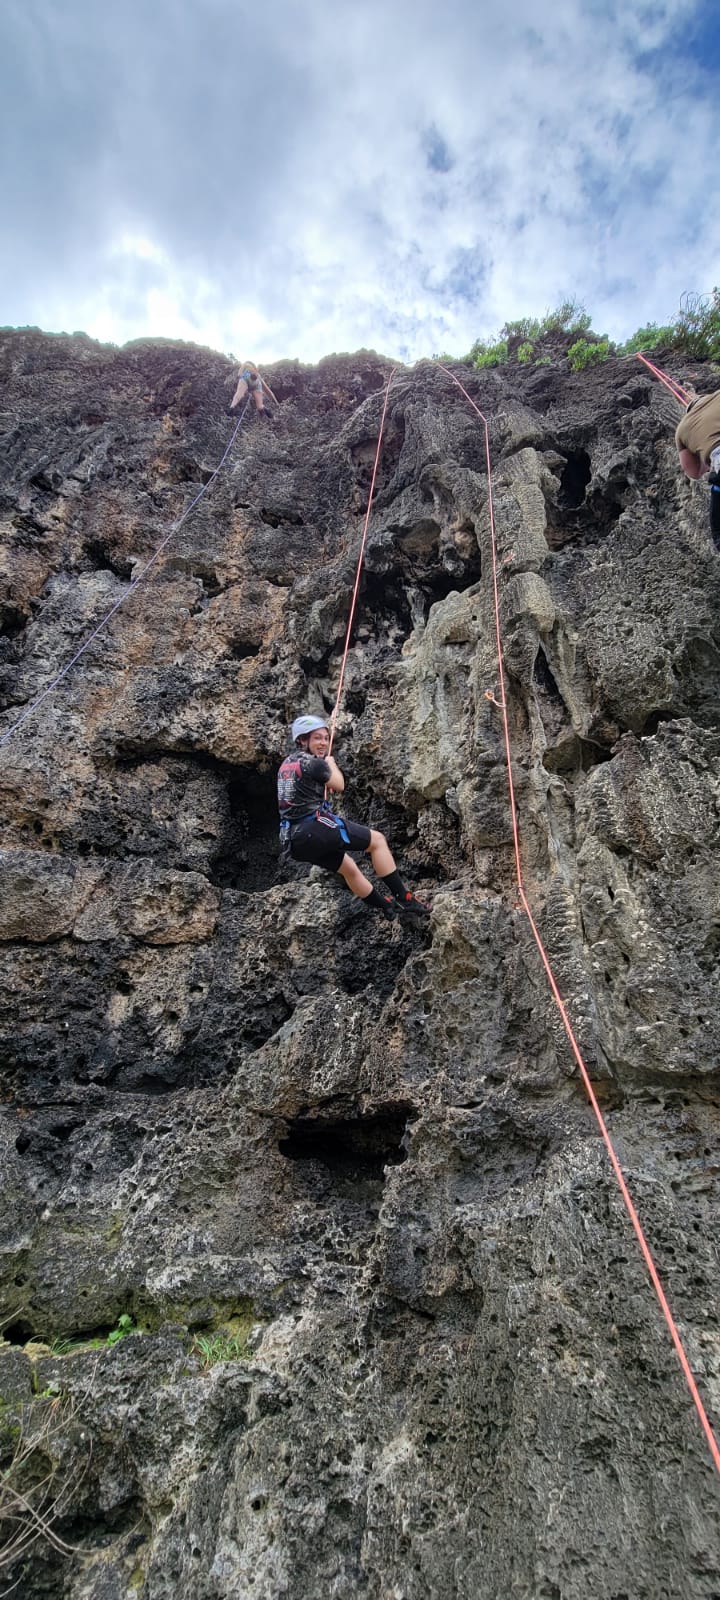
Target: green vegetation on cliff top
[{"x": 533, "y": 341}]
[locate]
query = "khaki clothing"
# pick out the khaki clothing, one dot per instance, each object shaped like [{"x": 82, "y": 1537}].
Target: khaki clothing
[{"x": 699, "y": 429}]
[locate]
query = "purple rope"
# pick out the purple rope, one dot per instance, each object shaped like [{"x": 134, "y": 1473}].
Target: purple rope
[{"x": 118, "y": 603}]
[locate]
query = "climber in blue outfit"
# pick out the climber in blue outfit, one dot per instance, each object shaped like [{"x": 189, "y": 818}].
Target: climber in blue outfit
[
  {"x": 251, "y": 382},
  {"x": 313, "y": 831}
]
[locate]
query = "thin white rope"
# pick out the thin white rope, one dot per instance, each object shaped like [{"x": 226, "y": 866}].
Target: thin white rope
[{"x": 131, "y": 587}]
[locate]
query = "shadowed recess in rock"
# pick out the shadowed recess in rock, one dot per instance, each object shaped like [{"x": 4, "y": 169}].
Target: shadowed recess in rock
[
  {"x": 364, "y": 959},
  {"x": 363, "y": 456},
  {"x": 574, "y": 479},
  {"x": 366, "y": 1144},
  {"x": 102, "y": 559},
  {"x": 252, "y": 862},
  {"x": 12, "y": 621}
]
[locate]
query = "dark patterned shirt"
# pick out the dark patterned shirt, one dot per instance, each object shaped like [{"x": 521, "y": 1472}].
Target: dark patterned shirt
[{"x": 301, "y": 785}]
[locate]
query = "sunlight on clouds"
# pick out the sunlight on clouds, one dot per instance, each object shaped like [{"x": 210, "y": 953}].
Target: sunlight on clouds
[
  {"x": 172, "y": 304},
  {"x": 133, "y": 244},
  {"x": 418, "y": 174}
]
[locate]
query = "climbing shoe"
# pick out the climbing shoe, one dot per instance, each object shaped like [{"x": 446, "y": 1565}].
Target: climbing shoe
[
  {"x": 412, "y": 907},
  {"x": 375, "y": 901}
]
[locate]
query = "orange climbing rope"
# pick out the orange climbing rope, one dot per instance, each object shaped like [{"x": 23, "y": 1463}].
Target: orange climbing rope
[
  {"x": 675, "y": 388},
  {"x": 361, "y": 558},
  {"x": 632, "y": 1213}
]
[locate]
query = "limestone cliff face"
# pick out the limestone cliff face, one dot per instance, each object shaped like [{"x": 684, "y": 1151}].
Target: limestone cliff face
[{"x": 232, "y": 1100}]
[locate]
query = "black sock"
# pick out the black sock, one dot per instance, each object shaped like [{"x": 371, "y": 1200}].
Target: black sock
[
  {"x": 373, "y": 899},
  {"x": 395, "y": 885}
]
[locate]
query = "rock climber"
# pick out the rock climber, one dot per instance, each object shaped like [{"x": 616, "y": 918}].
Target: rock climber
[
  {"x": 314, "y": 832},
  {"x": 250, "y": 380},
  {"x": 697, "y": 437}
]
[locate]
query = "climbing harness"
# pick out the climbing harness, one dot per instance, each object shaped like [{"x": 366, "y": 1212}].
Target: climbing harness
[
  {"x": 331, "y": 819},
  {"x": 130, "y": 589},
  {"x": 324, "y": 814},
  {"x": 624, "y": 1190}
]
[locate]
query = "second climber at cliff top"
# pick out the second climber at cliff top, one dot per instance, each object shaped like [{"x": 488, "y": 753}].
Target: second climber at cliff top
[
  {"x": 314, "y": 832},
  {"x": 249, "y": 379},
  {"x": 697, "y": 437}
]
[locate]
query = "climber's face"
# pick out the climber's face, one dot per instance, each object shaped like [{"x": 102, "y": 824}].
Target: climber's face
[{"x": 319, "y": 743}]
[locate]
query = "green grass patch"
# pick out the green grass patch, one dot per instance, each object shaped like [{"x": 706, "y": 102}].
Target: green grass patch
[{"x": 222, "y": 1345}]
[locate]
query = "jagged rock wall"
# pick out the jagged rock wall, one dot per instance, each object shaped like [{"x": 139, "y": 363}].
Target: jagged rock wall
[{"x": 231, "y": 1100}]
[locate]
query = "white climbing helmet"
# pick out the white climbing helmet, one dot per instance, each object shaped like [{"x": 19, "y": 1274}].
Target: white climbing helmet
[{"x": 304, "y": 725}]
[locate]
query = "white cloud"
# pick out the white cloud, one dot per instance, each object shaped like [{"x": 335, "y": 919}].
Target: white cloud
[{"x": 265, "y": 182}]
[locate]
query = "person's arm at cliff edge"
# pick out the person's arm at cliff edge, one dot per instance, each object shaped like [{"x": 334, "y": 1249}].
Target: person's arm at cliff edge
[{"x": 692, "y": 464}]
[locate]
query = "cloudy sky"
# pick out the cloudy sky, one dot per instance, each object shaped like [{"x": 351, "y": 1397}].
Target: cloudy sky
[{"x": 292, "y": 177}]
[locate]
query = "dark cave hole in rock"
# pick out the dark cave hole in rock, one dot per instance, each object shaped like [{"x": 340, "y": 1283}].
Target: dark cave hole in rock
[
  {"x": 281, "y": 517},
  {"x": 653, "y": 722},
  {"x": 18, "y": 1333},
  {"x": 261, "y": 1018},
  {"x": 632, "y": 399},
  {"x": 64, "y": 1130},
  {"x": 104, "y": 560},
  {"x": 241, "y": 650},
  {"x": 317, "y": 665},
  {"x": 574, "y": 755},
  {"x": 49, "y": 482},
  {"x": 429, "y": 568},
  {"x": 439, "y": 584},
  {"x": 150, "y": 1083},
  {"x": 12, "y": 621},
  {"x": 544, "y": 678},
  {"x": 355, "y": 700},
  {"x": 383, "y": 597},
  {"x": 206, "y": 575},
  {"x": 362, "y": 1144},
  {"x": 247, "y": 850},
  {"x": 252, "y": 862},
  {"x": 610, "y": 509},
  {"x": 592, "y": 753},
  {"x": 106, "y": 1526},
  {"x": 574, "y": 479}
]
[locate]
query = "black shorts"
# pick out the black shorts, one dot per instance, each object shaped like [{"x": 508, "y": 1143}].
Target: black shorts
[{"x": 318, "y": 839}]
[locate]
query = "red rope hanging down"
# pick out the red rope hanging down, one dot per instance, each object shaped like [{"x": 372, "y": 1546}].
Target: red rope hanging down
[
  {"x": 622, "y": 1184},
  {"x": 675, "y": 388},
  {"x": 361, "y": 557}
]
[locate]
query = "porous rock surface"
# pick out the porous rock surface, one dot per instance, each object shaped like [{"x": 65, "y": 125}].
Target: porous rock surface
[{"x": 232, "y": 1100}]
